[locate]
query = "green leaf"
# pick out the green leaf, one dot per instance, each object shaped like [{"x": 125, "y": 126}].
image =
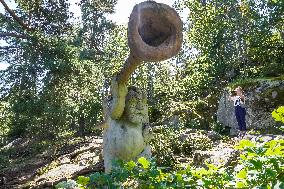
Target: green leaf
[
  {"x": 144, "y": 162},
  {"x": 256, "y": 163},
  {"x": 83, "y": 180},
  {"x": 242, "y": 174},
  {"x": 130, "y": 165},
  {"x": 240, "y": 185},
  {"x": 244, "y": 144}
]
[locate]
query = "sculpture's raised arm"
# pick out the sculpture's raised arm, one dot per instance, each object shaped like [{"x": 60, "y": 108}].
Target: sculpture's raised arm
[
  {"x": 119, "y": 86},
  {"x": 118, "y": 93}
]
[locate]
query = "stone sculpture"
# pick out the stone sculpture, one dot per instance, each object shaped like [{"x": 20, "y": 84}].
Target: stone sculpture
[{"x": 154, "y": 34}]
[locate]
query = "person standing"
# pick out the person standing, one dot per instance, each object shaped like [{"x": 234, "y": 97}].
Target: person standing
[{"x": 240, "y": 112}]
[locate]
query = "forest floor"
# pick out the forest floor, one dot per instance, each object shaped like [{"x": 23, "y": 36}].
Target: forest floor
[{"x": 27, "y": 164}]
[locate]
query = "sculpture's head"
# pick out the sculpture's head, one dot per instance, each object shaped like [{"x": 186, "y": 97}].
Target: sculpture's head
[
  {"x": 154, "y": 31},
  {"x": 136, "y": 108}
]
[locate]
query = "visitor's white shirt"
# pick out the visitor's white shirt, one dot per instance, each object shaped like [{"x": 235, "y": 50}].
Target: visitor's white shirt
[{"x": 238, "y": 101}]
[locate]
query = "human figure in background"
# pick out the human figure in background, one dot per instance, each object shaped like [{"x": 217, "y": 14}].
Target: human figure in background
[{"x": 239, "y": 100}]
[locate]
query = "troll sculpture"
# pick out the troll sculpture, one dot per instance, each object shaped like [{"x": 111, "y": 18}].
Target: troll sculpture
[{"x": 154, "y": 34}]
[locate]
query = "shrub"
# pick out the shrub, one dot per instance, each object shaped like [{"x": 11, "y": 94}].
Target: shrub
[
  {"x": 168, "y": 142},
  {"x": 69, "y": 184},
  {"x": 261, "y": 165},
  {"x": 278, "y": 114}
]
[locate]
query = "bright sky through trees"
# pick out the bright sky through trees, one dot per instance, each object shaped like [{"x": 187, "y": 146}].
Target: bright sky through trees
[{"x": 123, "y": 9}]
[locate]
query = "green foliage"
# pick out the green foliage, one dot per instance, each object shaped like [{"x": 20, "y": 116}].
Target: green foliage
[
  {"x": 165, "y": 144},
  {"x": 52, "y": 86},
  {"x": 169, "y": 142},
  {"x": 278, "y": 114},
  {"x": 69, "y": 184},
  {"x": 219, "y": 128},
  {"x": 245, "y": 83},
  {"x": 195, "y": 141},
  {"x": 260, "y": 166}
]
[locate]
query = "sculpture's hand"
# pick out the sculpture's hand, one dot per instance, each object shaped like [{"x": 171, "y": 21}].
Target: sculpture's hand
[
  {"x": 147, "y": 133},
  {"x": 119, "y": 92}
]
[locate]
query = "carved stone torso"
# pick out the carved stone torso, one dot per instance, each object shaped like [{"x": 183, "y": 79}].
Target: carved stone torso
[
  {"x": 127, "y": 136},
  {"x": 123, "y": 140}
]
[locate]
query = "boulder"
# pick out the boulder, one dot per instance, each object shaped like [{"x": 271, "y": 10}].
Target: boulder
[{"x": 262, "y": 97}]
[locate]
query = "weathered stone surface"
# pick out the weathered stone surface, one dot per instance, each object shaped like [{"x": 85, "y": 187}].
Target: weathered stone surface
[
  {"x": 222, "y": 154},
  {"x": 154, "y": 31},
  {"x": 263, "y": 137},
  {"x": 154, "y": 34},
  {"x": 62, "y": 171},
  {"x": 127, "y": 136},
  {"x": 46, "y": 168},
  {"x": 262, "y": 97}
]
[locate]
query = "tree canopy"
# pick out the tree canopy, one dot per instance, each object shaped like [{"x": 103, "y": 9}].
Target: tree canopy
[{"x": 59, "y": 69}]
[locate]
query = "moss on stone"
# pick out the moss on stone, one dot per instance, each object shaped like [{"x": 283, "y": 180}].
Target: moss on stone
[
  {"x": 245, "y": 84},
  {"x": 279, "y": 78},
  {"x": 252, "y": 83},
  {"x": 279, "y": 98}
]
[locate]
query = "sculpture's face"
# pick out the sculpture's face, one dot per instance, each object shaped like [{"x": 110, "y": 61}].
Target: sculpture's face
[{"x": 136, "y": 108}]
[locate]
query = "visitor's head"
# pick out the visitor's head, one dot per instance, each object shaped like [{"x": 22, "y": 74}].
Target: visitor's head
[
  {"x": 239, "y": 90},
  {"x": 136, "y": 108}
]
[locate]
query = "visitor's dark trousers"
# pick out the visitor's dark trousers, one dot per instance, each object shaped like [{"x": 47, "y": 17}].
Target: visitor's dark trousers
[{"x": 240, "y": 115}]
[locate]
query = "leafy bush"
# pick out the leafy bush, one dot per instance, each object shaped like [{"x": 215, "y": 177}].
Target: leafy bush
[
  {"x": 261, "y": 165},
  {"x": 219, "y": 128},
  {"x": 278, "y": 114},
  {"x": 165, "y": 143},
  {"x": 69, "y": 184},
  {"x": 195, "y": 141},
  {"x": 168, "y": 142}
]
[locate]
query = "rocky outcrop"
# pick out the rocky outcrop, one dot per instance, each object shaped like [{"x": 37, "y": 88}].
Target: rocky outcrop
[
  {"x": 84, "y": 160},
  {"x": 44, "y": 169},
  {"x": 262, "y": 97}
]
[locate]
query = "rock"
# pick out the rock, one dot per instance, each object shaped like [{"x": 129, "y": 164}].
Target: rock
[
  {"x": 274, "y": 94},
  {"x": 214, "y": 135},
  {"x": 15, "y": 143},
  {"x": 82, "y": 161},
  {"x": 262, "y": 97},
  {"x": 263, "y": 137},
  {"x": 62, "y": 171},
  {"x": 222, "y": 154},
  {"x": 199, "y": 157}
]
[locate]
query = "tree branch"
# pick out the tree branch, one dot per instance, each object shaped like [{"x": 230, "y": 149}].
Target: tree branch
[
  {"x": 18, "y": 19},
  {"x": 6, "y": 34},
  {"x": 8, "y": 47}
]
